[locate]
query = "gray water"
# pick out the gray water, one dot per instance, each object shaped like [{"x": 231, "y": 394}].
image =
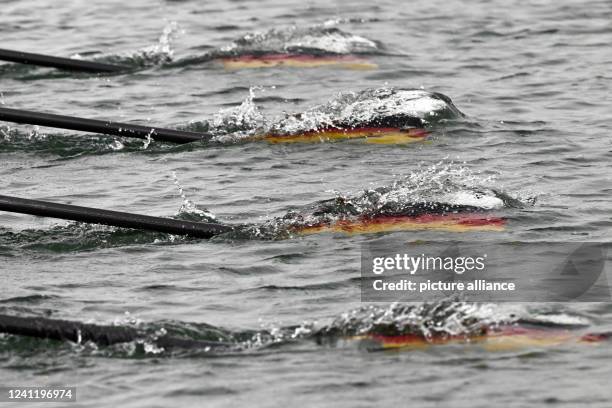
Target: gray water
[{"x": 532, "y": 79}]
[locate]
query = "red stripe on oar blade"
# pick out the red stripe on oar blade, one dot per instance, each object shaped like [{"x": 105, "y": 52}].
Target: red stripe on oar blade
[
  {"x": 444, "y": 222},
  {"x": 502, "y": 337}
]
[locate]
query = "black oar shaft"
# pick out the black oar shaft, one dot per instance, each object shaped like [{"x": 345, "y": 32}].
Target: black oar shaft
[
  {"x": 98, "y": 126},
  {"x": 113, "y": 218},
  {"x": 65, "y": 330},
  {"x": 57, "y": 62}
]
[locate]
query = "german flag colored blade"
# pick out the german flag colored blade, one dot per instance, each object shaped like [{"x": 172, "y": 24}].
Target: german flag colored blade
[
  {"x": 378, "y": 116},
  {"x": 304, "y": 224},
  {"x": 299, "y": 47},
  {"x": 497, "y": 338},
  {"x": 352, "y": 62},
  {"x": 384, "y": 223},
  {"x": 371, "y": 134}
]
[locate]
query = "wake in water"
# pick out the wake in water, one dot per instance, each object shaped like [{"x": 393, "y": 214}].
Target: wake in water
[
  {"x": 377, "y": 109},
  {"x": 36, "y": 141},
  {"x": 382, "y": 107},
  {"x": 305, "y": 40},
  {"x": 368, "y": 327},
  {"x": 317, "y": 41},
  {"x": 379, "y": 115},
  {"x": 302, "y": 46},
  {"x": 157, "y": 54},
  {"x": 444, "y": 197}
]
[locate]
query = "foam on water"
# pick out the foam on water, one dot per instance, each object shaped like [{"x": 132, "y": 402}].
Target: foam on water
[
  {"x": 445, "y": 318},
  {"x": 431, "y": 320},
  {"x": 427, "y": 319},
  {"x": 403, "y": 108},
  {"x": 239, "y": 122},
  {"x": 449, "y": 317},
  {"x": 441, "y": 188},
  {"x": 473, "y": 199},
  {"x": 444, "y": 187},
  {"x": 297, "y": 40},
  {"x": 442, "y": 182},
  {"x": 372, "y": 106}
]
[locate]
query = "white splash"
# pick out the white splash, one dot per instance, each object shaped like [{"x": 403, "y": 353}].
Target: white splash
[
  {"x": 562, "y": 319},
  {"x": 324, "y": 39},
  {"x": 445, "y": 182},
  {"x": 164, "y": 44},
  {"x": 5, "y": 131},
  {"x": 187, "y": 205},
  {"x": 357, "y": 108},
  {"x": 148, "y": 140},
  {"x": 335, "y": 41},
  {"x": 473, "y": 199},
  {"x": 416, "y": 103},
  {"x": 116, "y": 145},
  {"x": 349, "y": 109},
  {"x": 239, "y": 121},
  {"x": 36, "y": 134}
]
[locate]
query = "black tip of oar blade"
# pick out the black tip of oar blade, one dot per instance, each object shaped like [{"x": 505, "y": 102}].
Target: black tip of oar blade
[
  {"x": 58, "y": 62},
  {"x": 113, "y": 218},
  {"x": 99, "y": 126}
]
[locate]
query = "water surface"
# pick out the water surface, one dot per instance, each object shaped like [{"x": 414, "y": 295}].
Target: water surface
[{"x": 532, "y": 78}]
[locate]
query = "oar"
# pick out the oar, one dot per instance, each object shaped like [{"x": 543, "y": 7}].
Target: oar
[
  {"x": 113, "y": 218},
  {"x": 58, "y": 62},
  {"x": 64, "y": 330},
  {"x": 99, "y": 126}
]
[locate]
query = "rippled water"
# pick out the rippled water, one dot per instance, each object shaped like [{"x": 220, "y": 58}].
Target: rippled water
[{"x": 531, "y": 78}]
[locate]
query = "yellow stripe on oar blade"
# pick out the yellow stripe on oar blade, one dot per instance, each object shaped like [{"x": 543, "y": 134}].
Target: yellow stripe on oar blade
[
  {"x": 450, "y": 222},
  {"x": 297, "y": 61},
  {"x": 379, "y": 135}
]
